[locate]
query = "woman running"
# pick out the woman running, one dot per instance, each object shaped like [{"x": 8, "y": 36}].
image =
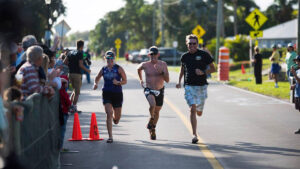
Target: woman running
[{"x": 112, "y": 95}]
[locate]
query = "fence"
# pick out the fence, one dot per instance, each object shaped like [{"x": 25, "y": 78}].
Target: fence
[{"x": 35, "y": 140}]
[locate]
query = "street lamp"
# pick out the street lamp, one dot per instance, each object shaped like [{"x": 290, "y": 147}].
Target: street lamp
[{"x": 48, "y": 32}]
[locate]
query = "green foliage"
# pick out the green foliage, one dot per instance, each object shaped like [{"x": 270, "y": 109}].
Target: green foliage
[
  {"x": 239, "y": 48},
  {"x": 71, "y": 39},
  {"x": 23, "y": 17},
  {"x": 211, "y": 45}
]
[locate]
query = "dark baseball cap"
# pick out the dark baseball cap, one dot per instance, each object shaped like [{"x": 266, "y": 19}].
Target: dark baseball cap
[
  {"x": 109, "y": 55},
  {"x": 153, "y": 50},
  {"x": 297, "y": 58}
]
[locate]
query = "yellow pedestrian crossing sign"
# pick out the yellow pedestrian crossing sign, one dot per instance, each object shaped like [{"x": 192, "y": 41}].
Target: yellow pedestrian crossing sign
[
  {"x": 198, "y": 31},
  {"x": 256, "y": 34},
  {"x": 256, "y": 19},
  {"x": 118, "y": 41}
]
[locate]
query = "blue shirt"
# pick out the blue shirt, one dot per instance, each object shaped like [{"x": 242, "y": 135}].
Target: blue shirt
[{"x": 109, "y": 75}]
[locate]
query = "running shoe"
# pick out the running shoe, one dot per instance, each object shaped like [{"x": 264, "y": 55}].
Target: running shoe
[
  {"x": 297, "y": 132},
  {"x": 195, "y": 140},
  {"x": 152, "y": 134},
  {"x": 110, "y": 140}
]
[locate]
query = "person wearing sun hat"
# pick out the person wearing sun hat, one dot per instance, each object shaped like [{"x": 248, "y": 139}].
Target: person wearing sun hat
[{"x": 112, "y": 95}]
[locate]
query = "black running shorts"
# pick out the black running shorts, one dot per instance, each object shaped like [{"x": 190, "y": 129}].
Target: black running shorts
[
  {"x": 114, "y": 98},
  {"x": 159, "y": 99}
]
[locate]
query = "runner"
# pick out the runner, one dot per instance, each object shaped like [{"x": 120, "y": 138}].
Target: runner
[
  {"x": 156, "y": 74},
  {"x": 195, "y": 65},
  {"x": 112, "y": 95}
]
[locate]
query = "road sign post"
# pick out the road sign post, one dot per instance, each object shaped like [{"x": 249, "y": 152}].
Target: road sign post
[
  {"x": 255, "y": 19},
  {"x": 118, "y": 46}
]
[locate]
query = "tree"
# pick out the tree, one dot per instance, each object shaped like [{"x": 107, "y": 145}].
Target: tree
[{"x": 279, "y": 12}]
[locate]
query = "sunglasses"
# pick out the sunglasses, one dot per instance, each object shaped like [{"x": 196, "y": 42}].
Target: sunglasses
[
  {"x": 192, "y": 43},
  {"x": 153, "y": 54},
  {"x": 110, "y": 58}
]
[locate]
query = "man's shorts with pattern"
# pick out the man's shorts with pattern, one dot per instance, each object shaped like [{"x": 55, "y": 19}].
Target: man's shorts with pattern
[{"x": 195, "y": 95}]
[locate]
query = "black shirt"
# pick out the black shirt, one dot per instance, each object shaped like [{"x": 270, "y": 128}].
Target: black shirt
[
  {"x": 258, "y": 58},
  {"x": 74, "y": 57},
  {"x": 191, "y": 62}
]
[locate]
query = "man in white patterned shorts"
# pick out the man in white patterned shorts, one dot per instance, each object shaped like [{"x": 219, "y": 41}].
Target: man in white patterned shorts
[{"x": 195, "y": 65}]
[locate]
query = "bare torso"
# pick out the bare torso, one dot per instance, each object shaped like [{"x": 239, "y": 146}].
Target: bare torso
[{"x": 153, "y": 72}]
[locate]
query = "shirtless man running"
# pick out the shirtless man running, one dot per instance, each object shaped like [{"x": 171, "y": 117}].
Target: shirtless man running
[{"x": 156, "y": 72}]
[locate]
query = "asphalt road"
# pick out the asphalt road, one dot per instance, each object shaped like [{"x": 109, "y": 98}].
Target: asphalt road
[{"x": 238, "y": 129}]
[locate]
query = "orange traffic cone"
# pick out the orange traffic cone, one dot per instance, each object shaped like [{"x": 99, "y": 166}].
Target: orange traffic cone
[
  {"x": 243, "y": 69},
  {"x": 76, "y": 136},
  {"x": 94, "y": 132}
]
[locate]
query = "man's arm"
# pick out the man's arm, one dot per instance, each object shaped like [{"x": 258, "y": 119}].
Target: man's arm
[
  {"x": 178, "y": 85},
  {"x": 211, "y": 68},
  {"x": 139, "y": 71},
  {"x": 166, "y": 73}
]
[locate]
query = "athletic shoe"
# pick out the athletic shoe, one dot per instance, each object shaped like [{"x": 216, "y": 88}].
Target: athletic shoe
[
  {"x": 152, "y": 134},
  {"x": 297, "y": 132},
  {"x": 110, "y": 140},
  {"x": 195, "y": 140}
]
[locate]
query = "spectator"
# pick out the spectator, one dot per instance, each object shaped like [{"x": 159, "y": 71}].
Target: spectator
[
  {"x": 13, "y": 94},
  {"x": 257, "y": 65},
  {"x": 30, "y": 73},
  {"x": 27, "y": 41},
  {"x": 87, "y": 63},
  {"x": 55, "y": 72},
  {"x": 296, "y": 74},
  {"x": 275, "y": 67},
  {"x": 65, "y": 104},
  {"x": 75, "y": 62},
  {"x": 289, "y": 59},
  {"x": 60, "y": 64}
]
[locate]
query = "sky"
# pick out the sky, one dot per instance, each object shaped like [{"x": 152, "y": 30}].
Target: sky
[{"x": 84, "y": 15}]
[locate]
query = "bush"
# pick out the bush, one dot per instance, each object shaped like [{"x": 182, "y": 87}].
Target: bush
[
  {"x": 211, "y": 45},
  {"x": 239, "y": 48}
]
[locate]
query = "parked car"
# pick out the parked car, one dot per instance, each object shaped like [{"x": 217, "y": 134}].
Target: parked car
[
  {"x": 170, "y": 55},
  {"x": 133, "y": 55},
  {"x": 143, "y": 56}
]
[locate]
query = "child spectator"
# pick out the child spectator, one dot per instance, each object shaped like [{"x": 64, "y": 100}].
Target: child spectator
[
  {"x": 14, "y": 94},
  {"x": 65, "y": 104},
  {"x": 296, "y": 74}
]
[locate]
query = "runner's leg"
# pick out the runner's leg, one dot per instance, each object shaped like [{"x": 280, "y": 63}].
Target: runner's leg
[
  {"x": 193, "y": 119},
  {"x": 156, "y": 114},
  {"x": 117, "y": 114},
  {"x": 109, "y": 118},
  {"x": 152, "y": 104}
]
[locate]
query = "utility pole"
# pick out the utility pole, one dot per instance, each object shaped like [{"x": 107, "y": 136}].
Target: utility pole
[
  {"x": 153, "y": 23},
  {"x": 162, "y": 23},
  {"x": 298, "y": 41},
  {"x": 218, "y": 29}
]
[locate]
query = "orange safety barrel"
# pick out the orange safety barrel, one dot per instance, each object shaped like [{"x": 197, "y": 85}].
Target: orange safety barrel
[{"x": 223, "y": 66}]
